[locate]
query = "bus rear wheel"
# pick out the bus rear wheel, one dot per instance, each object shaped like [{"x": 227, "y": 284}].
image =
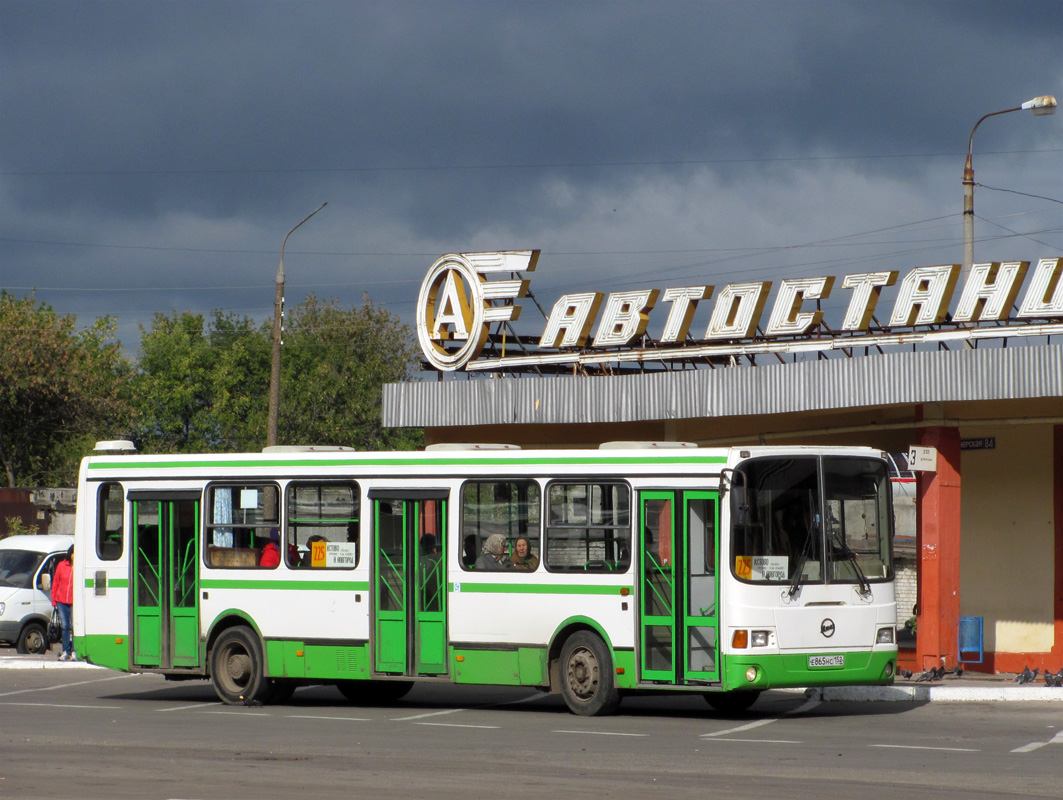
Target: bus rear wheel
[
  {"x": 236, "y": 668},
  {"x": 731, "y": 702},
  {"x": 587, "y": 680}
]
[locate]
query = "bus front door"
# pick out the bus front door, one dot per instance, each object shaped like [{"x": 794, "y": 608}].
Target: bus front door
[
  {"x": 165, "y": 609},
  {"x": 678, "y": 590},
  {"x": 410, "y": 585}
]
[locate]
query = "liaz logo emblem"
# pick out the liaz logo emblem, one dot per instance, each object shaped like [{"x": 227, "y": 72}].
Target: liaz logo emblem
[
  {"x": 457, "y": 303},
  {"x": 827, "y": 627}
]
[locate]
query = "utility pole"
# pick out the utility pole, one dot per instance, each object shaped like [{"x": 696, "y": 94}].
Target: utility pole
[
  {"x": 1040, "y": 106},
  {"x": 278, "y": 334}
]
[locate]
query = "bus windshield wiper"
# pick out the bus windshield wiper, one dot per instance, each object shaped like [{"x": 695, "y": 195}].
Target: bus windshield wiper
[
  {"x": 795, "y": 584},
  {"x": 865, "y": 584}
]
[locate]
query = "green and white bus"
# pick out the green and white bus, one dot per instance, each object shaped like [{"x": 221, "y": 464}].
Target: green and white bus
[{"x": 633, "y": 568}]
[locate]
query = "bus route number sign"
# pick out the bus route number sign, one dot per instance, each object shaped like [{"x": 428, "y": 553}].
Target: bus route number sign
[
  {"x": 762, "y": 568},
  {"x": 332, "y": 554}
]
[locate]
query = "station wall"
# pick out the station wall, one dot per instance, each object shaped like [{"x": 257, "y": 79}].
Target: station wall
[{"x": 1007, "y": 571}]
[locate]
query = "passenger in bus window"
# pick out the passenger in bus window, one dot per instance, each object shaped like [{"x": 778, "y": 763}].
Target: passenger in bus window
[
  {"x": 468, "y": 551},
  {"x": 494, "y": 555},
  {"x": 523, "y": 558},
  {"x": 271, "y": 553}
]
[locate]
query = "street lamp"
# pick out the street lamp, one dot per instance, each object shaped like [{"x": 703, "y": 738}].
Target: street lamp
[
  {"x": 275, "y": 363},
  {"x": 1041, "y": 106}
]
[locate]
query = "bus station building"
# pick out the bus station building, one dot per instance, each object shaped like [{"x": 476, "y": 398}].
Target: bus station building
[{"x": 965, "y": 378}]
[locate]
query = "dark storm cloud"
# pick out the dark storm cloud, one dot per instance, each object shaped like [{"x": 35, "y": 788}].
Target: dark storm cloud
[{"x": 172, "y": 144}]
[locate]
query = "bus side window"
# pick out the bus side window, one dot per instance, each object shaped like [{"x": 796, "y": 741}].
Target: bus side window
[
  {"x": 110, "y": 528},
  {"x": 510, "y": 508},
  {"x": 239, "y": 519},
  {"x": 588, "y": 526},
  {"x": 323, "y": 525}
]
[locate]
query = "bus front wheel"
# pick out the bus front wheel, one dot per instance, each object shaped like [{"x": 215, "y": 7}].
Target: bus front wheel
[
  {"x": 236, "y": 668},
  {"x": 587, "y": 680}
]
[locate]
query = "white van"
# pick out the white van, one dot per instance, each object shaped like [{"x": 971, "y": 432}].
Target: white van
[{"x": 26, "y": 567}]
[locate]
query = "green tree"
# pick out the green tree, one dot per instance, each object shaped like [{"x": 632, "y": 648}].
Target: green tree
[
  {"x": 335, "y": 364},
  {"x": 241, "y": 381},
  {"x": 200, "y": 388},
  {"x": 204, "y": 386},
  {"x": 60, "y": 388}
]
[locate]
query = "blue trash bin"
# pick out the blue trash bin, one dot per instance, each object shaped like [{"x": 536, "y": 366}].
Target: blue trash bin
[{"x": 970, "y": 644}]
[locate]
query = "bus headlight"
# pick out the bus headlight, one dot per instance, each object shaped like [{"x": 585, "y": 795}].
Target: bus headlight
[
  {"x": 759, "y": 638},
  {"x": 751, "y": 674},
  {"x": 885, "y": 636}
]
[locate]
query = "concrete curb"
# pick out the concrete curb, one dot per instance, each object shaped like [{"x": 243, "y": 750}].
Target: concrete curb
[
  {"x": 42, "y": 662},
  {"x": 904, "y": 693}
]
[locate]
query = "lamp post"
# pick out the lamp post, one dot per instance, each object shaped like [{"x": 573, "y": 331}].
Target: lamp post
[
  {"x": 275, "y": 362},
  {"x": 1041, "y": 106}
]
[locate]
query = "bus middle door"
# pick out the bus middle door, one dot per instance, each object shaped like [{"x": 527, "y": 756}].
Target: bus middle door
[
  {"x": 678, "y": 590},
  {"x": 410, "y": 583}
]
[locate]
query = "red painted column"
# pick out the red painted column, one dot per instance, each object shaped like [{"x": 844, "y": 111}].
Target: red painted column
[
  {"x": 1057, "y": 510},
  {"x": 938, "y": 543}
]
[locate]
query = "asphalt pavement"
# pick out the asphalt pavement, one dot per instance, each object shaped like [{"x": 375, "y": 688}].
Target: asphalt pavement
[{"x": 971, "y": 687}]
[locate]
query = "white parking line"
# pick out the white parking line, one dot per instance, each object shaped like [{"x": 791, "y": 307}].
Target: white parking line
[
  {"x": 925, "y": 747},
  {"x": 601, "y": 733},
  {"x": 62, "y": 686},
  {"x": 740, "y": 728},
  {"x": 1029, "y": 748},
  {"x": 455, "y": 725},
  {"x": 241, "y": 713},
  {"x": 433, "y": 714},
  {"x": 187, "y": 708},
  {"x": 339, "y": 719},
  {"x": 55, "y": 705},
  {"x": 808, "y": 705},
  {"x": 764, "y": 741}
]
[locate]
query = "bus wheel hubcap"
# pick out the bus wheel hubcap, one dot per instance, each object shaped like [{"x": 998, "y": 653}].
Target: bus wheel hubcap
[
  {"x": 239, "y": 667},
  {"x": 583, "y": 673}
]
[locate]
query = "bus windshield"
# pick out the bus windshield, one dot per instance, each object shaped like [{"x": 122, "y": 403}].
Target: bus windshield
[{"x": 809, "y": 520}]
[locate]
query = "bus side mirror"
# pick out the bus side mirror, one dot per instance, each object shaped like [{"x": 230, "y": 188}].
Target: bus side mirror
[{"x": 46, "y": 582}]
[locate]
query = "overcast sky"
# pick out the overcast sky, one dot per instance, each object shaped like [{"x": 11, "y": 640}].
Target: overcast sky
[{"x": 153, "y": 155}]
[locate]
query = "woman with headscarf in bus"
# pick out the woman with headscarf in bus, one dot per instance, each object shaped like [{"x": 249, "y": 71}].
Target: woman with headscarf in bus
[
  {"x": 523, "y": 558},
  {"x": 493, "y": 555}
]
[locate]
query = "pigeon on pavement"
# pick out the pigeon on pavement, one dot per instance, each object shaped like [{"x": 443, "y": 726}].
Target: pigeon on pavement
[{"x": 1027, "y": 675}]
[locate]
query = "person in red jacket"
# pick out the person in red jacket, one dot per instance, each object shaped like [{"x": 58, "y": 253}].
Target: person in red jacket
[
  {"x": 271, "y": 553},
  {"x": 63, "y": 599}
]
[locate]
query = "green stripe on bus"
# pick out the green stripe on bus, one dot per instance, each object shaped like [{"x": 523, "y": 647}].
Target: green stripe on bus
[
  {"x": 535, "y": 588},
  {"x": 324, "y": 586},
  {"x": 114, "y": 583},
  {"x": 408, "y": 462}
]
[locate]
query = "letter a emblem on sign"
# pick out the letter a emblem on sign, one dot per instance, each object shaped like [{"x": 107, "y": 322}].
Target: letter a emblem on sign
[{"x": 457, "y": 303}]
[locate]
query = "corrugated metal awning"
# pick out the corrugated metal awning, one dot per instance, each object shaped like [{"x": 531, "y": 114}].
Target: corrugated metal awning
[{"x": 838, "y": 383}]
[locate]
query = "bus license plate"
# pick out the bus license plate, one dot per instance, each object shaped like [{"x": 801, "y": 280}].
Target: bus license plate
[{"x": 826, "y": 661}]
